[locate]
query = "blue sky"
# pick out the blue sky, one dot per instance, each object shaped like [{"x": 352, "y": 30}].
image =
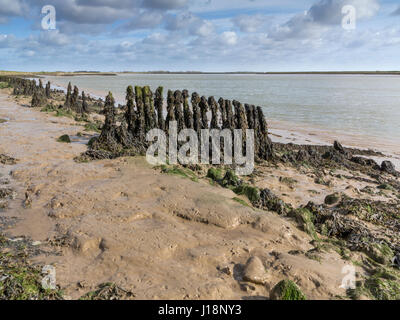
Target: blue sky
[{"x": 203, "y": 35}]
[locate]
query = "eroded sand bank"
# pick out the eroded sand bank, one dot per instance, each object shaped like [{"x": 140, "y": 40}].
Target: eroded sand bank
[{"x": 160, "y": 236}]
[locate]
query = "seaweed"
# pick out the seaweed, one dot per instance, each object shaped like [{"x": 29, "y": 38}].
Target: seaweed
[{"x": 287, "y": 290}]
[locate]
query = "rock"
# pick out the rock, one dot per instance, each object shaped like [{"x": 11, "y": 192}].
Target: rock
[
  {"x": 332, "y": 199},
  {"x": 385, "y": 186},
  {"x": 28, "y": 200},
  {"x": 338, "y": 147},
  {"x": 388, "y": 167},
  {"x": 227, "y": 270},
  {"x": 7, "y": 193},
  {"x": 3, "y": 204},
  {"x": 269, "y": 201},
  {"x": 364, "y": 162},
  {"x": 4, "y": 159},
  {"x": 287, "y": 290},
  {"x": 302, "y": 155},
  {"x": 230, "y": 179},
  {"x": 305, "y": 219},
  {"x": 64, "y": 138},
  {"x": 254, "y": 271}
]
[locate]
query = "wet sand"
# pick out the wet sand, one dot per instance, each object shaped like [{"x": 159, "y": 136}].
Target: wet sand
[
  {"x": 286, "y": 132},
  {"x": 160, "y": 236}
]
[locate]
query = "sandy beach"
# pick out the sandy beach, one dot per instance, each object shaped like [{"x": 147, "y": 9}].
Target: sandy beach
[
  {"x": 134, "y": 234},
  {"x": 159, "y": 236}
]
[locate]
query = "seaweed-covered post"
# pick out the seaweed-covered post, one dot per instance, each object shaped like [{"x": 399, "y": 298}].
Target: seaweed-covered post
[
  {"x": 149, "y": 113},
  {"x": 236, "y": 115},
  {"x": 170, "y": 109},
  {"x": 67, "y": 103},
  {"x": 107, "y": 138},
  {"x": 240, "y": 116},
  {"x": 178, "y": 110},
  {"x": 222, "y": 110},
  {"x": 25, "y": 88},
  {"x": 153, "y": 113},
  {"x": 204, "y": 109},
  {"x": 265, "y": 149},
  {"x": 31, "y": 87},
  {"x": 252, "y": 120},
  {"x": 38, "y": 99},
  {"x": 74, "y": 100},
  {"x": 196, "y": 112},
  {"x": 214, "y": 113},
  {"x": 229, "y": 115},
  {"x": 130, "y": 112},
  {"x": 109, "y": 111},
  {"x": 187, "y": 113},
  {"x": 249, "y": 115},
  {"x": 85, "y": 107},
  {"x": 48, "y": 90},
  {"x": 240, "y": 121},
  {"x": 158, "y": 102},
  {"x": 140, "y": 119}
]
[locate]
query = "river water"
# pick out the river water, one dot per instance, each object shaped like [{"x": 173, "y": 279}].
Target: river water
[{"x": 360, "y": 110}]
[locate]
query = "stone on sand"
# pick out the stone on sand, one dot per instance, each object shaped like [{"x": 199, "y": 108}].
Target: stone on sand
[{"x": 254, "y": 271}]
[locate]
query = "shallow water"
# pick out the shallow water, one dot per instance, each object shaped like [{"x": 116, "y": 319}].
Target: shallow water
[{"x": 362, "y": 105}]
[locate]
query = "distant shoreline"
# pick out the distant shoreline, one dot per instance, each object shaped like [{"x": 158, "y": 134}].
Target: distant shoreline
[
  {"x": 95, "y": 73},
  {"x": 272, "y": 73}
]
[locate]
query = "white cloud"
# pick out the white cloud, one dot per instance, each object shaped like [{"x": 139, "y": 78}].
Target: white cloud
[
  {"x": 321, "y": 17},
  {"x": 252, "y": 23},
  {"x": 330, "y": 11},
  {"x": 200, "y": 34},
  {"x": 229, "y": 38},
  {"x": 187, "y": 22}
]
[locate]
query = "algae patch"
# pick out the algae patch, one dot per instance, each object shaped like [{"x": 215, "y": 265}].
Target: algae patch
[
  {"x": 287, "y": 290},
  {"x": 108, "y": 291},
  {"x": 20, "y": 280}
]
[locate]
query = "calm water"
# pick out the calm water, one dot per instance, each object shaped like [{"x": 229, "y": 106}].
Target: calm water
[{"x": 354, "y": 104}]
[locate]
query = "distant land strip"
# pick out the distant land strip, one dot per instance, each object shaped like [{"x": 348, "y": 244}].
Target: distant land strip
[{"x": 99, "y": 73}]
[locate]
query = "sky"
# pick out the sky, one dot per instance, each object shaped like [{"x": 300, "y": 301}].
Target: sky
[{"x": 200, "y": 35}]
